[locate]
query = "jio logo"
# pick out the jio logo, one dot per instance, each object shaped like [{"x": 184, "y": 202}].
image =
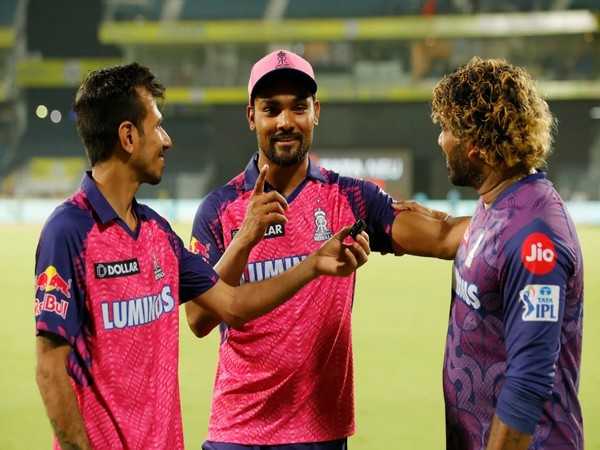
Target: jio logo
[{"x": 538, "y": 254}]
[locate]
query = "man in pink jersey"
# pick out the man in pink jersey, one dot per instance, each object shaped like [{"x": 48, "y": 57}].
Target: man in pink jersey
[
  {"x": 111, "y": 272},
  {"x": 285, "y": 380}
]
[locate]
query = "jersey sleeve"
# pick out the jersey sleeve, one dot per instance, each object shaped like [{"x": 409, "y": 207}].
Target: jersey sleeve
[
  {"x": 207, "y": 235},
  {"x": 59, "y": 282},
  {"x": 534, "y": 279},
  {"x": 196, "y": 275},
  {"x": 374, "y": 206}
]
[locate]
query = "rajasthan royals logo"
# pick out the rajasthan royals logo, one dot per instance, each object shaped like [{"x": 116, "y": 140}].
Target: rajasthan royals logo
[
  {"x": 322, "y": 231},
  {"x": 282, "y": 59}
]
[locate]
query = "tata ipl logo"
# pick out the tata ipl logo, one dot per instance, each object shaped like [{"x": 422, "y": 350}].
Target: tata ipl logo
[{"x": 540, "y": 302}]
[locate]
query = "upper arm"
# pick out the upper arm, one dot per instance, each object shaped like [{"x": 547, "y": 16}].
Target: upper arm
[
  {"x": 59, "y": 283},
  {"x": 51, "y": 349},
  {"x": 534, "y": 283},
  {"x": 195, "y": 273},
  {"x": 425, "y": 235}
]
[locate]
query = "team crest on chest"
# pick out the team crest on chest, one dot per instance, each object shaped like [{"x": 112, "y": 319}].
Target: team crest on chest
[
  {"x": 322, "y": 231},
  {"x": 158, "y": 272}
]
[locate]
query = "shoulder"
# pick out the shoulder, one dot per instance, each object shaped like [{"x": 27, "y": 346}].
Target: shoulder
[
  {"x": 217, "y": 200},
  {"x": 71, "y": 219}
]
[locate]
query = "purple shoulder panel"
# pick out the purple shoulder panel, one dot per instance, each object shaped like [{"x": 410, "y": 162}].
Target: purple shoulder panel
[
  {"x": 60, "y": 270},
  {"x": 371, "y": 204}
]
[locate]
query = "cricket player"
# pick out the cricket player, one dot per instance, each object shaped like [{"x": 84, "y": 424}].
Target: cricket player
[
  {"x": 111, "y": 273},
  {"x": 513, "y": 351},
  {"x": 285, "y": 381}
]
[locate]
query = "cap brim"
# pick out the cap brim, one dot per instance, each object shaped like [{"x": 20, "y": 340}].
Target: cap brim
[{"x": 293, "y": 74}]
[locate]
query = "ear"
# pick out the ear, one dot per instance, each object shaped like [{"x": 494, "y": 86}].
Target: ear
[
  {"x": 474, "y": 153},
  {"x": 128, "y": 136},
  {"x": 250, "y": 117},
  {"x": 317, "y": 106}
]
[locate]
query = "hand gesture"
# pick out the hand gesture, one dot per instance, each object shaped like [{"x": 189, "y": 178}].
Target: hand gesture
[
  {"x": 264, "y": 209},
  {"x": 335, "y": 257}
]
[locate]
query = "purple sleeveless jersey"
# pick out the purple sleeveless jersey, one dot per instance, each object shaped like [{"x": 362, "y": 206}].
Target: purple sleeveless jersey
[{"x": 515, "y": 329}]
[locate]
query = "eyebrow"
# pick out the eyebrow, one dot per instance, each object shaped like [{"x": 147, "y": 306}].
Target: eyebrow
[{"x": 273, "y": 102}]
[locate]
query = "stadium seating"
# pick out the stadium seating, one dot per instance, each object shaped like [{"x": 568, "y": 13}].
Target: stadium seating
[{"x": 219, "y": 9}]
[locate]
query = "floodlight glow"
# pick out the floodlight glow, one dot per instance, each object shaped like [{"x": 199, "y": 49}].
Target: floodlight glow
[
  {"x": 55, "y": 116},
  {"x": 41, "y": 111}
]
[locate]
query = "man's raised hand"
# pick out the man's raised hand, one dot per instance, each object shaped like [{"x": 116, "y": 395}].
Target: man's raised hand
[{"x": 264, "y": 209}]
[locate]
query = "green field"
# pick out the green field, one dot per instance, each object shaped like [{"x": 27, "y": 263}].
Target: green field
[{"x": 400, "y": 316}]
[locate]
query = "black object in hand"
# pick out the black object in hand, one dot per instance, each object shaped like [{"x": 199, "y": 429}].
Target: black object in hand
[{"x": 358, "y": 226}]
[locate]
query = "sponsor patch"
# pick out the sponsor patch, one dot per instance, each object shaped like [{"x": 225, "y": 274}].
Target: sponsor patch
[
  {"x": 50, "y": 280},
  {"x": 51, "y": 304},
  {"x": 540, "y": 302},
  {"x": 274, "y": 230},
  {"x": 198, "y": 248},
  {"x": 117, "y": 268},
  {"x": 538, "y": 254}
]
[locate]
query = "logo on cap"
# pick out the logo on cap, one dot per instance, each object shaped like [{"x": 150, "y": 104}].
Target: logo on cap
[{"x": 282, "y": 59}]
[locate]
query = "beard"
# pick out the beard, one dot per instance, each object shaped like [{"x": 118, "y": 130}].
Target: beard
[
  {"x": 287, "y": 158},
  {"x": 461, "y": 170}
]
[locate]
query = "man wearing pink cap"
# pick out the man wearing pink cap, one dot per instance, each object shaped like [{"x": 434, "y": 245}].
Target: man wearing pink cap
[{"x": 285, "y": 380}]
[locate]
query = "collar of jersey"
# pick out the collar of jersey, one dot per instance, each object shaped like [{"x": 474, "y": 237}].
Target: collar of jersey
[
  {"x": 251, "y": 172},
  {"x": 515, "y": 186},
  {"x": 105, "y": 212}
]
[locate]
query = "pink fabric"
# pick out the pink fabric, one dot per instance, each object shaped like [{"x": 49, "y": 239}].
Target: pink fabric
[
  {"x": 133, "y": 402},
  {"x": 287, "y": 377}
]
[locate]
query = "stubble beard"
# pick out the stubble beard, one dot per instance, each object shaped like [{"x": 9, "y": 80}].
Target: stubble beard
[
  {"x": 288, "y": 158},
  {"x": 461, "y": 170}
]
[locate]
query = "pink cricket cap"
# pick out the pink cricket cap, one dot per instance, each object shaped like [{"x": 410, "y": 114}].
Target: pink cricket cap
[{"x": 281, "y": 60}]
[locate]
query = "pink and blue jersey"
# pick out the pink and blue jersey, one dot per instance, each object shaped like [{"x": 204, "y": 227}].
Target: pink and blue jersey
[
  {"x": 515, "y": 329},
  {"x": 287, "y": 377},
  {"x": 113, "y": 295}
]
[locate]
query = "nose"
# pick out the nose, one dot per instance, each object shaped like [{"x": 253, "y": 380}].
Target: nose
[
  {"x": 284, "y": 120},
  {"x": 166, "y": 140}
]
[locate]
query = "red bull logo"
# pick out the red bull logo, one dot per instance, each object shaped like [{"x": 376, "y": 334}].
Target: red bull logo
[
  {"x": 50, "y": 280},
  {"x": 197, "y": 247},
  {"x": 51, "y": 304}
]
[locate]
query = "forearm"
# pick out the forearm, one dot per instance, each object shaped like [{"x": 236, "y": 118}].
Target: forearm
[
  {"x": 503, "y": 437},
  {"x": 230, "y": 268},
  {"x": 232, "y": 263},
  {"x": 61, "y": 406},
  {"x": 255, "y": 299},
  {"x": 238, "y": 305}
]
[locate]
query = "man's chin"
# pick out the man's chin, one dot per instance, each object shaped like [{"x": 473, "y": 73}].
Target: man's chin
[{"x": 286, "y": 157}]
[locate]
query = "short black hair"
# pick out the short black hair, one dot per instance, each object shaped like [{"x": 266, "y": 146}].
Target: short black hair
[{"x": 107, "y": 98}]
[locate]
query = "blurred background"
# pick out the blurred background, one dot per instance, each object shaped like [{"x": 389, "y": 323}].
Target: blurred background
[{"x": 376, "y": 63}]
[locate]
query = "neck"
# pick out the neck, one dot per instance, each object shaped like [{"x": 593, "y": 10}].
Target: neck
[
  {"x": 284, "y": 179},
  {"x": 118, "y": 185},
  {"x": 496, "y": 182}
]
